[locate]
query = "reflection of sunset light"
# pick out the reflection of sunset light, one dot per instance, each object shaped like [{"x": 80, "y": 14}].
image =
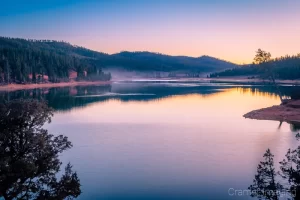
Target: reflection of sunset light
[
  {"x": 197, "y": 139},
  {"x": 179, "y": 109}
]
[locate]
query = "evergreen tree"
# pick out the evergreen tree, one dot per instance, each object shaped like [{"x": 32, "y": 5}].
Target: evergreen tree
[
  {"x": 265, "y": 185},
  {"x": 290, "y": 171},
  {"x": 6, "y": 71},
  {"x": 20, "y": 58}
]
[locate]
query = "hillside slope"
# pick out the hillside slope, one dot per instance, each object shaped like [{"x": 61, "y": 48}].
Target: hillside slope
[
  {"x": 148, "y": 61},
  {"x": 286, "y": 67},
  {"x": 34, "y": 61},
  {"x": 56, "y": 58}
]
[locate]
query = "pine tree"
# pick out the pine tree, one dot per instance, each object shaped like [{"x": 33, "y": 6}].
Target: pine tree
[
  {"x": 6, "y": 71},
  {"x": 264, "y": 183},
  {"x": 290, "y": 171}
]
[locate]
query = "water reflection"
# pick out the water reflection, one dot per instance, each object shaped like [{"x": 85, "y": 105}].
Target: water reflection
[
  {"x": 67, "y": 98},
  {"x": 295, "y": 126},
  {"x": 188, "y": 145},
  {"x": 164, "y": 140}
]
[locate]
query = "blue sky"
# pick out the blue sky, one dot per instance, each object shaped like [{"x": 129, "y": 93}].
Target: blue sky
[{"x": 230, "y": 29}]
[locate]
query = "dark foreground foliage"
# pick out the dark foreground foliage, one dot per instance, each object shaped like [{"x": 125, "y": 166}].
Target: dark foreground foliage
[
  {"x": 269, "y": 184},
  {"x": 29, "y": 155}
]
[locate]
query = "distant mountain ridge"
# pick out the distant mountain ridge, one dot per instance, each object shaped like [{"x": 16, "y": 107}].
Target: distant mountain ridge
[
  {"x": 154, "y": 61},
  {"x": 132, "y": 61}
]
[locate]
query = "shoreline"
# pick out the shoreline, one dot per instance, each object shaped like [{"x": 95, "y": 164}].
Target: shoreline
[
  {"x": 231, "y": 80},
  {"x": 243, "y": 79},
  {"x": 15, "y": 87},
  {"x": 288, "y": 112}
]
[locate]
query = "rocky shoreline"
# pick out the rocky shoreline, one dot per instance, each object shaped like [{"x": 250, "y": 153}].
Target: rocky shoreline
[{"x": 287, "y": 112}]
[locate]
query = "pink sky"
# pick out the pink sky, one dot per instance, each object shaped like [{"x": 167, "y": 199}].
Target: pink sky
[{"x": 231, "y": 30}]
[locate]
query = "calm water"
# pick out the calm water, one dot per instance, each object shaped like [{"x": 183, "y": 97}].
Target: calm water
[{"x": 164, "y": 140}]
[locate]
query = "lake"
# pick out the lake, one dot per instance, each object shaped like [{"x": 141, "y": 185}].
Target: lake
[{"x": 165, "y": 140}]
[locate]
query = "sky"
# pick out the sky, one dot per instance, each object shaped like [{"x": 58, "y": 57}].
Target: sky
[{"x": 227, "y": 29}]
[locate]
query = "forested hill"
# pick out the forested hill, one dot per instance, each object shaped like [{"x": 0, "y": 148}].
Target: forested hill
[
  {"x": 59, "y": 47},
  {"x": 148, "y": 61},
  {"x": 132, "y": 61},
  {"x": 287, "y": 67},
  {"x": 24, "y": 60}
]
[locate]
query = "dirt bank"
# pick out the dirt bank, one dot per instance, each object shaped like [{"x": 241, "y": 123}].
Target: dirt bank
[
  {"x": 14, "y": 87},
  {"x": 288, "y": 112}
]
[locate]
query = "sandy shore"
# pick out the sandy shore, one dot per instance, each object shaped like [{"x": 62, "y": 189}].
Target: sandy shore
[
  {"x": 289, "y": 112},
  {"x": 13, "y": 87}
]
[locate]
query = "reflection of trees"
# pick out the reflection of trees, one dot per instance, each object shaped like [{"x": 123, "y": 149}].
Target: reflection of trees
[
  {"x": 29, "y": 160},
  {"x": 269, "y": 91},
  {"x": 295, "y": 126},
  {"x": 65, "y": 98},
  {"x": 57, "y": 98},
  {"x": 295, "y": 92}
]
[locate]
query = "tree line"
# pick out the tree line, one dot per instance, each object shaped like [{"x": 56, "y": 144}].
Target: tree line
[
  {"x": 285, "y": 67},
  {"x": 26, "y": 61},
  {"x": 130, "y": 61}
]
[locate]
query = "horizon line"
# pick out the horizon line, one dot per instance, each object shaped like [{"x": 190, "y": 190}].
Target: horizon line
[{"x": 118, "y": 52}]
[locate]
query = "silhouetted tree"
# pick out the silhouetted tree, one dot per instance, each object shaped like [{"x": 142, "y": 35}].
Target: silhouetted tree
[
  {"x": 290, "y": 170},
  {"x": 264, "y": 184},
  {"x": 263, "y": 58},
  {"x": 265, "y": 180},
  {"x": 29, "y": 155}
]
